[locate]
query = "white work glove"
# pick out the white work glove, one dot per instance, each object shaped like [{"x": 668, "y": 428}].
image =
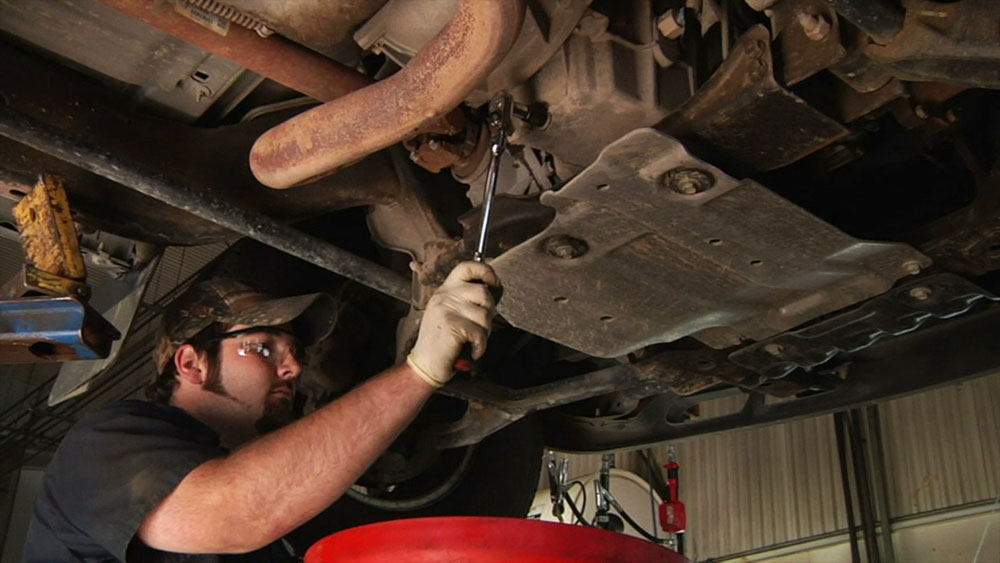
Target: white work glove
[{"x": 459, "y": 312}]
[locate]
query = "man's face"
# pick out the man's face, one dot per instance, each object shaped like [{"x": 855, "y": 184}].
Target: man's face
[{"x": 257, "y": 373}]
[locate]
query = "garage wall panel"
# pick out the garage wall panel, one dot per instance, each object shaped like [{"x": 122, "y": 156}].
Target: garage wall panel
[
  {"x": 750, "y": 489},
  {"x": 763, "y": 486},
  {"x": 943, "y": 446}
]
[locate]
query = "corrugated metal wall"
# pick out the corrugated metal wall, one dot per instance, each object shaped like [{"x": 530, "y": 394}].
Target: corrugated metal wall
[
  {"x": 755, "y": 488},
  {"x": 943, "y": 447}
]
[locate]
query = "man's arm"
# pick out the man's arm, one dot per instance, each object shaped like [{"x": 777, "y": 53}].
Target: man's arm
[{"x": 264, "y": 490}]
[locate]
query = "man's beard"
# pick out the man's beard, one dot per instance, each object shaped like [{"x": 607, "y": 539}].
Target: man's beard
[{"x": 277, "y": 413}]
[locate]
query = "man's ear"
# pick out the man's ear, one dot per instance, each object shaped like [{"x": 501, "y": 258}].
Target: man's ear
[{"x": 192, "y": 365}]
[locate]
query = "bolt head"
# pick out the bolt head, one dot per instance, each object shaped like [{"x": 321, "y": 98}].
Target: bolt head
[
  {"x": 565, "y": 247},
  {"x": 689, "y": 181},
  {"x": 921, "y": 293},
  {"x": 774, "y": 349},
  {"x": 671, "y": 24},
  {"x": 815, "y": 26}
]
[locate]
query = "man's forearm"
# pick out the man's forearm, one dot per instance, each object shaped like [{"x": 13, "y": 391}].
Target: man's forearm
[{"x": 275, "y": 483}]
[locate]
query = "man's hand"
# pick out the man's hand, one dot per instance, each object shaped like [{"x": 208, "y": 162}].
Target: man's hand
[{"x": 459, "y": 312}]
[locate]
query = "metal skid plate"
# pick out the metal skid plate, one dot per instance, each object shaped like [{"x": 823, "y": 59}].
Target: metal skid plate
[{"x": 650, "y": 244}]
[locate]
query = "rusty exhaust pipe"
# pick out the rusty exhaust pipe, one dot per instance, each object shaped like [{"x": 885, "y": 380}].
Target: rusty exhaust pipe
[
  {"x": 274, "y": 57},
  {"x": 436, "y": 80}
]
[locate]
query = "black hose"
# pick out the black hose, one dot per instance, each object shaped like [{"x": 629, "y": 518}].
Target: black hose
[
  {"x": 621, "y": 511},
  {"x": 576, "y": 512},
  {"x": 637, "y": 527}
]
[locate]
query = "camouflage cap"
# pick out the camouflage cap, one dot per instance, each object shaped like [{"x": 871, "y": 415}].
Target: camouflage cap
[{"x": 231, "y": 302}]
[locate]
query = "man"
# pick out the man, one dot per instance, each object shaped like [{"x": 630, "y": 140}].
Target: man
[{"x": 141, "y": 481}]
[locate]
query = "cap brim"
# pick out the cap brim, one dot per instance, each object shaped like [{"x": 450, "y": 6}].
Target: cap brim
[{"x": 311, "y": 316}]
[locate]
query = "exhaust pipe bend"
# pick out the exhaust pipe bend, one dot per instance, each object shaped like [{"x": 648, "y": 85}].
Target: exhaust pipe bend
[{"x": 435, "y": 81}]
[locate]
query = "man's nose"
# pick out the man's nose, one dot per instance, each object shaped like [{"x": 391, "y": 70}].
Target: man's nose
[{"x": 289, "y": 368}]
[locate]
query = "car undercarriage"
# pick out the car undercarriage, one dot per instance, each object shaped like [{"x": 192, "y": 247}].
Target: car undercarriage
[{"x": 792, "y": 202}]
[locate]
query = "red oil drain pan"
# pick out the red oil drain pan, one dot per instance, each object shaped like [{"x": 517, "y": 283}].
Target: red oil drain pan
[{"x": 484, "y": 540}]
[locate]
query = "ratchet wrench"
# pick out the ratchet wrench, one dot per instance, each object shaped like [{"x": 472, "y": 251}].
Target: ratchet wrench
[{"x": 498, "y": 121}]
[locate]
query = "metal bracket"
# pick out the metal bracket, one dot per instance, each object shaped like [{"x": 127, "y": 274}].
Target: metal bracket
[
  {"x": 119, "y": 301},
  {"x": 52, "y": 329},
  {"x": 902, "y": 310}
]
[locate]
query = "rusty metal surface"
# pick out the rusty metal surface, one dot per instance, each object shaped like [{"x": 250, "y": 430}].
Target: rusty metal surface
[
  {"x": 600, "y": 86},
  {"x": 48, "y": 234},
  {"x": 945, "y": 41},
  {"x": 674, "y": 247},
  {"x": 321, "y": 25},
  {"x": 440, "y": 146},
  {"x": 438, "y": 78},
  {"x": 52, "y": 329},
  {"x": 29, "y": 281},
  {"x": 853, "y": 104},
  {"x": 742, "y": 116},
  {"x": 211, "y": 161},
  {"x": 402, "y": 27},
  {"x": 881, "y": 19},
  {"x": 409, "y": 222},
  {"x": 274, "y": 57},
  {"x": 810, "y": 39}
]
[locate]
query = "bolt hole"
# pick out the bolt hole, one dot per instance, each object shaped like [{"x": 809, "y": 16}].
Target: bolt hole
[
  {"x": 715, "y": 241},
  {"x": 603, "y": 187},
  {"x": 705, "y": 365},
  {"x": 42, "y": 349},
  {"x": 607, "y": 319},
  {"x": 201, "y": 76},
  {"x": 561, "y": 299},
  {"x": 16, "y": 193},
  {"x": 756, "y": 262}
]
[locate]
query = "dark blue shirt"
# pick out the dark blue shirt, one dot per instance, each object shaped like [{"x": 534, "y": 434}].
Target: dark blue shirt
[{"x": 112, "y": 469}]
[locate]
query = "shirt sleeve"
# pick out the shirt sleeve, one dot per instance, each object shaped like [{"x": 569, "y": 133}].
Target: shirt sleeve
[{"x": 118, "y": 465}]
